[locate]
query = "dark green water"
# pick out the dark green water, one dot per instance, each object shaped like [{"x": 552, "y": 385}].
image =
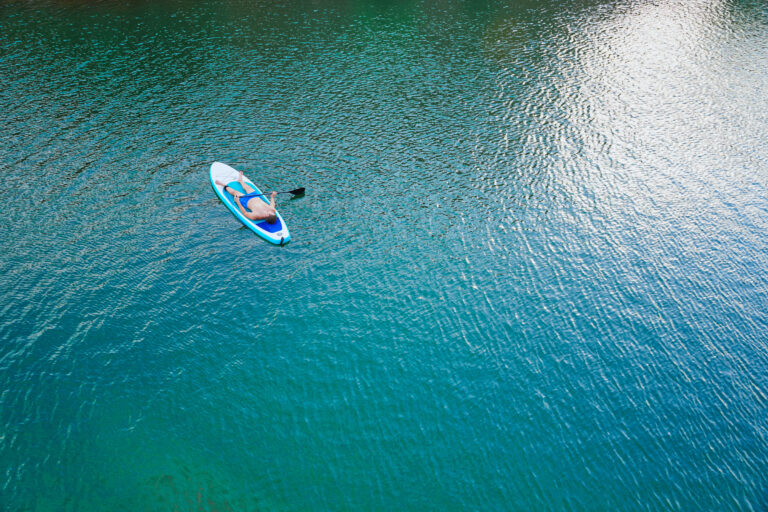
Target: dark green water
[{"x": 529, "y": 272}]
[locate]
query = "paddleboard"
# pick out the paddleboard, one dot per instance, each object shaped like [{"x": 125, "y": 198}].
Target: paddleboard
[{"x": 276, "y": 233}]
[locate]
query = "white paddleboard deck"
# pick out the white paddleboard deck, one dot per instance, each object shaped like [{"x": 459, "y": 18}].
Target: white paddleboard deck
[{"x": 276, "y": 233}]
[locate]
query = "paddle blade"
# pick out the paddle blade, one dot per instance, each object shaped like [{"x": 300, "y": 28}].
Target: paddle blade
[{"x": 297, "y": 192}]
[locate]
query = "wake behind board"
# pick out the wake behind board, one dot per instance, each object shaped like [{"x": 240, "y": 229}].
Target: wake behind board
[{"x": 276, "y": 233}]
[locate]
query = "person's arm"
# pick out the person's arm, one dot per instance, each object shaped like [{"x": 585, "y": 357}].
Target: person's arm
[{"x": 272, "y": 199}]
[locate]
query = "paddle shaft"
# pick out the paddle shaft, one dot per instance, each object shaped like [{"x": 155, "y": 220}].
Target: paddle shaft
[
  {"x": 257, "y": 195},
  {"x": 295, "y": 192}
]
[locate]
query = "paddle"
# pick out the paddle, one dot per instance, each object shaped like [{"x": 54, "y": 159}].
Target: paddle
[{"x": 295, "y": 192}]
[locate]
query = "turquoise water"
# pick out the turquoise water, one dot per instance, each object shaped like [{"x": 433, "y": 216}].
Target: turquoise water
[{"x": 529, "y": 272}]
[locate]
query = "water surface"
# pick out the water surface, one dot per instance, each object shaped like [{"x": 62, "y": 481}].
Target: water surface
[{"x": 529, "y": 272}]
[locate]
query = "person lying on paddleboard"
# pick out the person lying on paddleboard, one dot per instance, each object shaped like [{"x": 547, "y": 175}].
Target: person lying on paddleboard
[{"x": 252, "y": 207}]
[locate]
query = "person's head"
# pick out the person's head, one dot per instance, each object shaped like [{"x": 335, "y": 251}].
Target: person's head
[{"x": 272, "y": 219}]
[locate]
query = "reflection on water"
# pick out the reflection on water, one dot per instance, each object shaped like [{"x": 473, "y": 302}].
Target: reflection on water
[{"x": 528, "y": 273}]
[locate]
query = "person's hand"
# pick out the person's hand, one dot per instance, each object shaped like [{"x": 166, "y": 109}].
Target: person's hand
[{"x": 273, "y": 194}]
